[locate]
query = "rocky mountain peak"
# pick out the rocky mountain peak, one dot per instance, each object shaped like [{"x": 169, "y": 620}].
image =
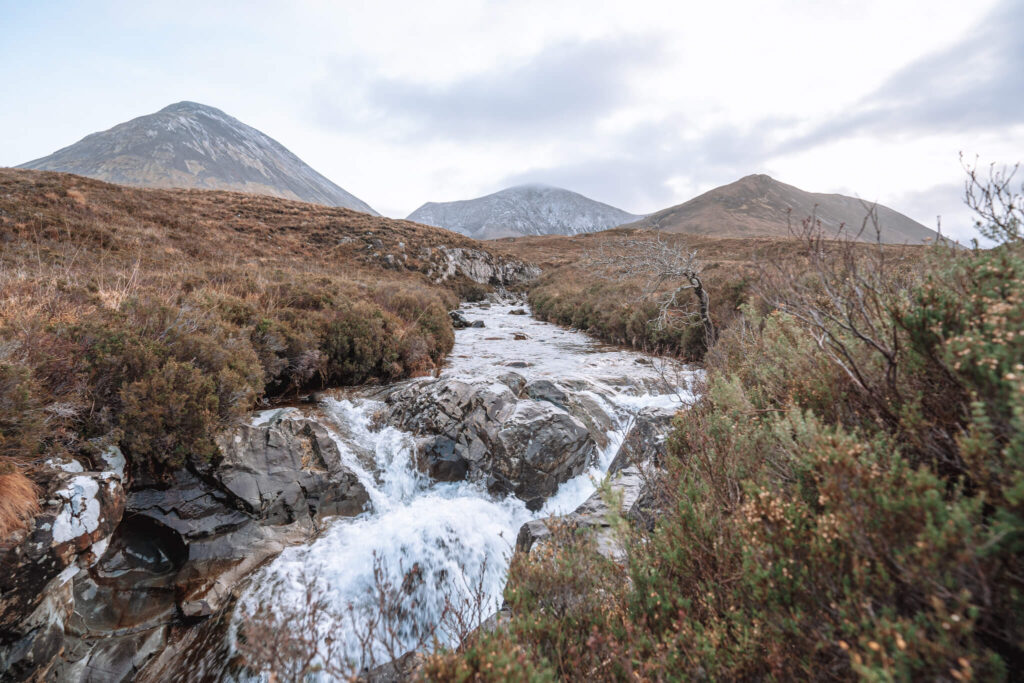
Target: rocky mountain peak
[
  {"x": 528, "y": 209},
  {"x": 193, "y": 145}
]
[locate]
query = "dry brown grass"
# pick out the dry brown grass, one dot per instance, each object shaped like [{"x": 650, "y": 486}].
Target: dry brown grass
[
  {"x": 107, "y": 293},
  {"x": 19, "y": 502},
  {"x": 573, "y": 291}
]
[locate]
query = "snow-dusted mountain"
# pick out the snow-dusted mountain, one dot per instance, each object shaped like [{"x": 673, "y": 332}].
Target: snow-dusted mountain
[
  {"x": 196, "y": 146},
  {"x": 522, "y": 210}
]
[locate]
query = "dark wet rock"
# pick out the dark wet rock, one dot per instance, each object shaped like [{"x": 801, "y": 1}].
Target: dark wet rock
[
  {"x": 288, "y": 470},
  {"x": 546, "y": 390},
  {"x": 593, "y": 414},
  {"x": 518, "y": 311},
  {"x": 477, "y": 324},
  {"x": 439, "y": 457},
  {"x": 519, "y": 336},
  {"x": 275, "y": 482},
  {"x": 645, "y": 441},
  {"x": 516, "y": 364},
  {"x": 538, "y": 447},
  {"x": 521, "y": 447},
  {"x": 90, "y": 591},
  {"x": 115, "y": 658},
  {"x": 459, "y": 321},
  {"x": 37, "y": 566},
  {"x": 514, "y": 381}
]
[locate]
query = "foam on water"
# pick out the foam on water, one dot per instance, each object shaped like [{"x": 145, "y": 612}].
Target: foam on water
[{"x": 437, "y": 540}]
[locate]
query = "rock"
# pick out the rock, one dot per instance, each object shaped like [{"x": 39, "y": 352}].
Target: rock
[
  {"x": 523, "y": 447},
  {"x": 405, "y": 668},
  {"x": 514, "y": 381},
  {"x": 478, "y": 266},
  {"x": 91, "y": 589},
  {"x": 538, "y": 448},
  {"x": 440, "y": 459},
  {"x": 38, "y": 564},
  {"x": 519, "y": 336},
  {"x": 518, "y": 311},
  {"x": 477, "y": 323},
  {"x": 593, "y": 516},
  {"x": 459, "y": 321},
  {"x": 546, "y": 390},
  {"x": 516, "y": 364},
  {"x": 288, "y": 469},
  {"x": 645, "y": 441},
  {"x": 589, "y": 410}
]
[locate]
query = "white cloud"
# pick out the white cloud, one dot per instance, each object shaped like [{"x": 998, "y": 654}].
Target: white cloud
[{"x": 640, "y": 104}]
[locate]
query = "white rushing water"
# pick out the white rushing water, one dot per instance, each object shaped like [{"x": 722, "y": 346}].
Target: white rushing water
[{"x": 430, "y": 540}]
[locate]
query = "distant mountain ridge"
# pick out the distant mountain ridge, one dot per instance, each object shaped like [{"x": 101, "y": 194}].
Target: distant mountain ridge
[
  {"x": 192, "y": 145},
  {"x": 523, "y": 210},
  {"x": 758, "y": 206}
]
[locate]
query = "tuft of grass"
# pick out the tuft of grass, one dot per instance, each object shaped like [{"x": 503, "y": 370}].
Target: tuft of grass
[{"x": 19, "y": 500}]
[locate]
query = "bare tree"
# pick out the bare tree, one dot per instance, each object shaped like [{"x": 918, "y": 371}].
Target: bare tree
[
  {"x": 671, "y": 274},
  {"x": 999, "y": 207},
  {"x": 313, "y": 636}
]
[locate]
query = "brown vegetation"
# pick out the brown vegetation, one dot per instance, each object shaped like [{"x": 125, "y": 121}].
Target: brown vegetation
[
  {"x": 846, "y": 501},
  {"x": 18, "y": 500},
  {"x": 160, "y": 314},
  {"x": 580, "y": 291}
]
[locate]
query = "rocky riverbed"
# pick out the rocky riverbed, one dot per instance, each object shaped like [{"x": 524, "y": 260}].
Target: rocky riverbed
[{"x": 433, "y": 478}]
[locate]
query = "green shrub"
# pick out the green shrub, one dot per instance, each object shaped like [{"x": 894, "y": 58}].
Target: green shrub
[
  {"x": 20, "y": 413},
  {"x": 169, "y": 416},
  {"x": 357, "y": 345},
  {"x": 836, "y": 509}
]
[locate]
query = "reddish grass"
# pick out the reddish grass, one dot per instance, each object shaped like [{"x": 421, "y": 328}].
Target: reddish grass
[{"x": 19, "y": 502}]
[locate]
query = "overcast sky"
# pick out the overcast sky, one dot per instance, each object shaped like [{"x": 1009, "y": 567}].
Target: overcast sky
[{"x": 639, "y": 104}]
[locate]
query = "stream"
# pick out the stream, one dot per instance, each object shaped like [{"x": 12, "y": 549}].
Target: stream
[{"x": 435, "y": 541}]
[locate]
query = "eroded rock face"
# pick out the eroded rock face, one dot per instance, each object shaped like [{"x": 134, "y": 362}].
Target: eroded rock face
[
  {"x": 478, "y": 266},
  {"x": 37, "y": 567},
  {"x": 288, "y": 470},
  {"x": 103, "y": 575},
  {"x": 274, "y": 485},
  {"x": 493, "y": 432}
]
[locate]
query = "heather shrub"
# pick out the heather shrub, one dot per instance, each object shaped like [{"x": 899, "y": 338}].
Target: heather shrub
[
  {"x": 844, "y": 501},
  {"x": 357, "y": 345},
  {"x": 169, "y": 416},
  {"x": 21, "y": 422}
]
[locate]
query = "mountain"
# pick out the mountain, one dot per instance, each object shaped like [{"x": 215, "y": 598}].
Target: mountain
[
  {"x": 757, "y": 205},
  {"x": 192, "y": 145},
  {"x": 522, "y": 210}
]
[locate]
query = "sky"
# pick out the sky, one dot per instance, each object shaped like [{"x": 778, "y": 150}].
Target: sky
[{"x": 639, "y": 104}]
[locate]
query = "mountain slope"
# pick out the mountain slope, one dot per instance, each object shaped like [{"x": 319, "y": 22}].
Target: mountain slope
[
  {"x": 757, "y": 205},
  {"x": 523, "y": 210},
  {"x": 191, "y": 145}
]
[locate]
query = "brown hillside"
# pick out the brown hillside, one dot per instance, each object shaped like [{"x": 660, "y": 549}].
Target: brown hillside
[
  {"x": 760, "y": 206},
  {"x": 572, "y": 291},
  {"x": 161, "y": 314}
]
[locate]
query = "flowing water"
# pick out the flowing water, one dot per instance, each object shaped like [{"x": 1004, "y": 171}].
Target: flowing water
[{"x": 431, "y": 541}]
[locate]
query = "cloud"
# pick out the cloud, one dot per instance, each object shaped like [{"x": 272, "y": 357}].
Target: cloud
[
  {"x": 566, "y": 86},
  {"x": 641, "y": 168},
  {"x": 976, "y": 84}
]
